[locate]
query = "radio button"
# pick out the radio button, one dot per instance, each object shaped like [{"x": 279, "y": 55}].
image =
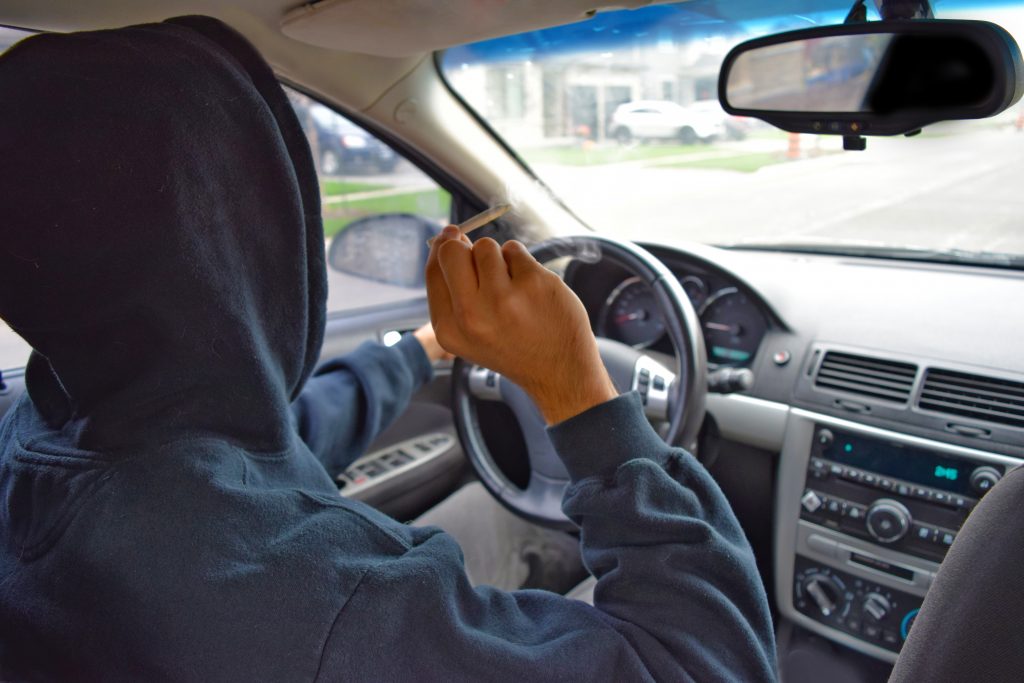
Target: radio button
[
  {"x": 851, "y": 474},
  {"x": 940, "y": 497},
  {"x": 887, "y": 520},
  {"x": 855, "y": 512},
  {"x": 870, "y": 479},
  {"x": 886, "y": 484},
  {"x": 811, "y": 501},
  {"x": 903, "y": 490},
  {"x": 923, "y": 532},
  {"x": 920, "y": 492},
  {"x": 834, "y": 506},
  {"x": 946, "y": 538}
]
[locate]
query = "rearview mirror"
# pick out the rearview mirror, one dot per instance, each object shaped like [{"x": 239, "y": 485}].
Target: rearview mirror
[
  {"x": 388, "y": 247},
  {"x": 875, "y": 78}
]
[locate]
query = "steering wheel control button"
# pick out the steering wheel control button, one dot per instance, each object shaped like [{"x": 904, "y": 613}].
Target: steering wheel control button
[
  {"x": 984, "y": 478},
  {"x": 810, "y": 501},
  {"x": 484, "y": 384},
  {"x": 653, "y": 381},
  {"x": 887, "y": 520}
]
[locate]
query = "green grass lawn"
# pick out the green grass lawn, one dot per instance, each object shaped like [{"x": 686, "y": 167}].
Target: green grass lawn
[
  {"x": 744, "y": 163},
  {"x": 608, "y": 154},
  {"x": 428, "y": 203},
  {"x": 331, "y": 188}
]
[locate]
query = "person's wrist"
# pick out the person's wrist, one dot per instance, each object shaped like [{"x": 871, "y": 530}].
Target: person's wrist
[{"x": 560, "y": 400}]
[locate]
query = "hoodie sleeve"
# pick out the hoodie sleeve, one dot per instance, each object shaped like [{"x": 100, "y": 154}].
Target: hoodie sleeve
[
  {"x": 678, "y": 596},
  {"x": 351, "y": 399}
]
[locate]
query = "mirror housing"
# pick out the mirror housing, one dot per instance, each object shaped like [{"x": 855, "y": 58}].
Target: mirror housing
[
  {"x": 388, "y": 247},
  {"x": 874, "y": 78}
]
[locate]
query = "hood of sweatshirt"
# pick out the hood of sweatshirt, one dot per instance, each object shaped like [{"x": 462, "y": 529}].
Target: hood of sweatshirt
[{"x": 162, "y": 246}]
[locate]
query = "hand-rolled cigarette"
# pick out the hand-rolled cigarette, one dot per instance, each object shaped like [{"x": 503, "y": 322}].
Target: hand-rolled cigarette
[{"x": 479, "y": 220}]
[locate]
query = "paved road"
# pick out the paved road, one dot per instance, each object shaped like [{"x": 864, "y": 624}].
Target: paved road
[{"x": 936, "y": 192}]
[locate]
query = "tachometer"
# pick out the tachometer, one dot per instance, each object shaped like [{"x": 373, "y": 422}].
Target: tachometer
[
  {"x": 733, "y": 327},
  {"x": 631, "y": 316}
]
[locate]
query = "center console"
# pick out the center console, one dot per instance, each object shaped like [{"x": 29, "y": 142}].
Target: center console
[{"x": 864, "y": 518}]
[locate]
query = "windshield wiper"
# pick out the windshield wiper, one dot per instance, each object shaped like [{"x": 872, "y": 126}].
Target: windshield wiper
[{"x": 958, "y": 256}]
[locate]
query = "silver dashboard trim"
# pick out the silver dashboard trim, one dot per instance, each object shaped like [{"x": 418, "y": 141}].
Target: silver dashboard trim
[
  {"x": 749, "y": 420},
  {"x": 791, "y": 533}
]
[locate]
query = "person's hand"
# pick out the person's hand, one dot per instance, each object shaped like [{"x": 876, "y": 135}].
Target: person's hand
[
  {"x": 498, "y": 307},
  {"x": 428, "y": 340}
]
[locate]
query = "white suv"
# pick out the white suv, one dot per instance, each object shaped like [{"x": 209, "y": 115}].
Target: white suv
[{"x": 656, "y": 119}]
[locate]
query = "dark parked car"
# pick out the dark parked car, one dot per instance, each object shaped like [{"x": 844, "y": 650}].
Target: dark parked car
[{"x": 340, "y": 146}]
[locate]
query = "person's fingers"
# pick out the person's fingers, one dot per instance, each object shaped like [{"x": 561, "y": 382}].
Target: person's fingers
[
  {"x": 491, "y": 269},
  {"x": 520, "y": 261},
  {"x": 438, "y": 297},
  {"x": 456, "y": 261}
]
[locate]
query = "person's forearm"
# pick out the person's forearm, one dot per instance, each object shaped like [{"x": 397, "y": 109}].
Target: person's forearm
[
  {"x": 351, "y": 399},
  {"x": 671, "y": 560}
]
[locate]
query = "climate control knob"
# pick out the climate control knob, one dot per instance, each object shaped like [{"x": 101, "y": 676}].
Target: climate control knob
[
  {"x": 887, "y": 520},
  {"x": 876, "y": 606},
  {"x": 826, "y": 593}
]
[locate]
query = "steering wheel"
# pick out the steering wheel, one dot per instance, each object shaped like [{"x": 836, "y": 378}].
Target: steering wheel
[{"x": 675, "y": 396}]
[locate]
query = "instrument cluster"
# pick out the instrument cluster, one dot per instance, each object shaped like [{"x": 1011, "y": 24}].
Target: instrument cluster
[{"x": 732, "y": 321}]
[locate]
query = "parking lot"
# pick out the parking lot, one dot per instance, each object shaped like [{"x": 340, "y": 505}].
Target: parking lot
[{"x": 920, "y": 192}]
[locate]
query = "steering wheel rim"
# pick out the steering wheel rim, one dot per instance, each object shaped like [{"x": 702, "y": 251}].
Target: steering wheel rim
[{"x": 684, "y": 408}]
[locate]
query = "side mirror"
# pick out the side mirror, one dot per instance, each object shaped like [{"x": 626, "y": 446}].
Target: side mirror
[
  {"x": 874, "y": 78},
  {"x": 388, "y": 247}
]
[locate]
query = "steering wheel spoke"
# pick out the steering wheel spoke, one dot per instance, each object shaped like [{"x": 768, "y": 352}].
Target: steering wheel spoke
[{"x": 484, "y": 384}]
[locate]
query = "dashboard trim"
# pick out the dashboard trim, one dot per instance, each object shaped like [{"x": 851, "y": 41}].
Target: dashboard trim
[{"x": 749, "y": 420}]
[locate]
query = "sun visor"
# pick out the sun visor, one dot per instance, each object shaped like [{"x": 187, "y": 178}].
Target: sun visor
[{"x": 401, "y": 28}]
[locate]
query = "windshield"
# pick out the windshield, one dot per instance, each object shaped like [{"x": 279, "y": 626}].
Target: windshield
[{"x": 619, "y": 116}]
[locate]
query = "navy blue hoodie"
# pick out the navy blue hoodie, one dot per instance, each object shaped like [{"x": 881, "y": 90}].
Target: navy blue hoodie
[{"x": 166, "y": 507}]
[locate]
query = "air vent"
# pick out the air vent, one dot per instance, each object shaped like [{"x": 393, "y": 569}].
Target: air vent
[
  {"x": 982, "y": 398},
  {"x": 872, "y": 377}
]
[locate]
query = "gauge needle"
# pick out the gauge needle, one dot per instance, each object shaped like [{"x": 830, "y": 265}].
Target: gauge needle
[
  {"x": 722, "y": 327},
  {"x": 637, "y": 315}
]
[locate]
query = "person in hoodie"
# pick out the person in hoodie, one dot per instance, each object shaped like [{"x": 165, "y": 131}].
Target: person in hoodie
[{"x": 166, "y": 511}]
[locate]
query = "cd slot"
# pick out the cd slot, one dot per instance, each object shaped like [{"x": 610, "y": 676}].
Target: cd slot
[{"x": 880, "y": 565}]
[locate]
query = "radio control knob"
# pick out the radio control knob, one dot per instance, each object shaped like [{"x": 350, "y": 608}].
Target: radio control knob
[
  {"x": 876, "y": 606},
  {"x": 984, "y": 478},
  {"x": 887, "y": 520},
  {"x": 825, "y": 592}
]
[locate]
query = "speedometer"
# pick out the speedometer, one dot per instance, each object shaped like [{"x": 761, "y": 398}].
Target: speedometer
[
  {"x": 631, "y": 315},
  {"x": 733, "y": 327}
]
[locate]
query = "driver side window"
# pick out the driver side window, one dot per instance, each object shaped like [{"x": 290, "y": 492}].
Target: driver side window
[{"x": 362, "y": 178}]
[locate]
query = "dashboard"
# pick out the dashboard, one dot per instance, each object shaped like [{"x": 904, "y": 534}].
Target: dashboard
[
  {"x": 888, "y": 398},
  {"x": 734, "y": 319}
]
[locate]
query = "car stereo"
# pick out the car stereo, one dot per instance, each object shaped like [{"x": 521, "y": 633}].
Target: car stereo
[{"x": 865, "y": 516}]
